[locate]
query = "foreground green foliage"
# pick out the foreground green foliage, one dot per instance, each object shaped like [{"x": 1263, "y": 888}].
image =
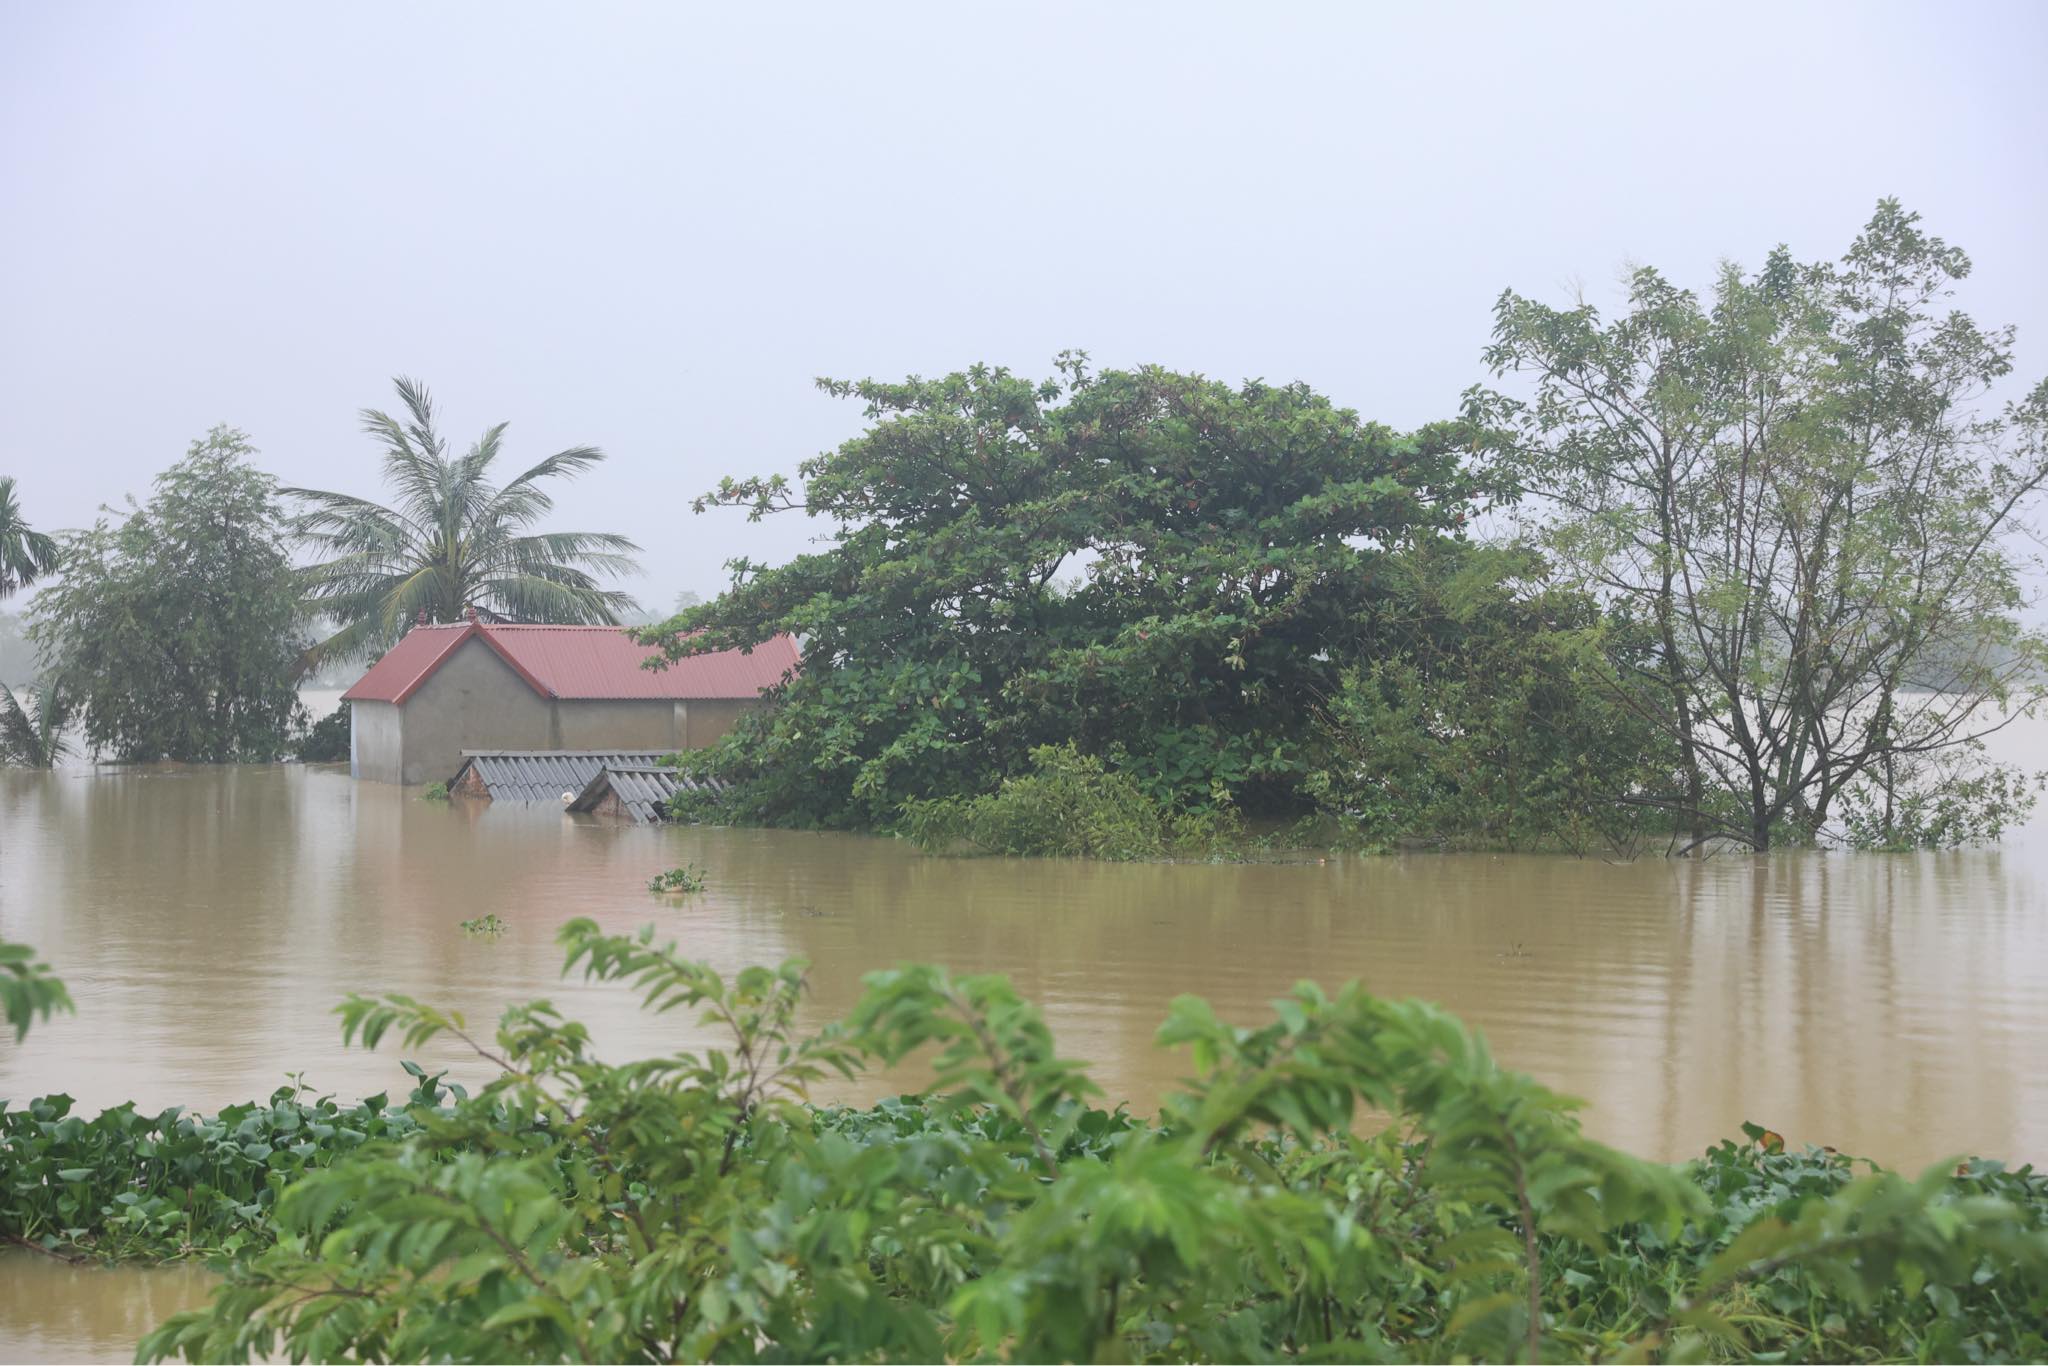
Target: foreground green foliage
[
  {"x": 692, "y": 1207},
  {"x": 176, "y": 632},
  {"x": 29, "y": 990},
  {"x": 451, "y": 540}
]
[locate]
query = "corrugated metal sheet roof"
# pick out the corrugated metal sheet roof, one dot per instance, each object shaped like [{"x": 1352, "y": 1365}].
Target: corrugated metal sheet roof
[
  {"x": 579, "y": 662},
  {"x": 548, "y": 775},
  {"x": 643, "y": 789},
  {"x": 541, "y": 775},
  {"x": 602, "y": 662},
  {"x": 406, "y": 665}
]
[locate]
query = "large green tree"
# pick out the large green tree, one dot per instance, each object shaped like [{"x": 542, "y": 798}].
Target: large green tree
[
  {"x": 25, "y": 553},
  {"x": 451, "y": 540},
  {"x": 177, "y": 630},
  {"x": 1800, "y": 486},
  {"x": 1152, "y": 566}
]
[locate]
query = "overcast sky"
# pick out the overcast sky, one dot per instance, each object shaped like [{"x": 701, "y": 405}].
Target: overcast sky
[{"x": 650, "y": 227}]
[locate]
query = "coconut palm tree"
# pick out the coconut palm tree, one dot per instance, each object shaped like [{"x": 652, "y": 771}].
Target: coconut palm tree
[
  {"x": 451, "y": 540},
  {"x": 25, "y": 555},
  {"x": 33, "y": 736}
]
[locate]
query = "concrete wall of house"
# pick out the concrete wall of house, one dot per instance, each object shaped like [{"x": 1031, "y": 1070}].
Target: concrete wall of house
[
  {"x": 473, "y": 701},
  {"x": 709, "y": 721},
  {"x": 591, "y": 723},
  {"x": 376, "y": 742}
]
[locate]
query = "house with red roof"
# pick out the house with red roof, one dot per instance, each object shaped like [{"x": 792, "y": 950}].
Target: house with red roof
[{"x": 483, "y": 685}]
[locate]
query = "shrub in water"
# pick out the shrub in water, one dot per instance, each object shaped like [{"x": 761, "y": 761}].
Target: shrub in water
[{"x": 1070, "y": 804}]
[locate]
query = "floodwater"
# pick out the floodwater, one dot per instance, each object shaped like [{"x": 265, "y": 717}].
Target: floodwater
[{"x": 207, "y": 921}]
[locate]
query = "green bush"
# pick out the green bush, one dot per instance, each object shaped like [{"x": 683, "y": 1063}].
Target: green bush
[
  {"x": 1071, "y": 805},
  {"x": 326, "y": 741},
  {"x": 1495, "y": 727},
  {"x": 694, "y": 1207}
]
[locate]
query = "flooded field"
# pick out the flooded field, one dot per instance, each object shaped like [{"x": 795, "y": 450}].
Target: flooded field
[{"x": 208, "y": 920}]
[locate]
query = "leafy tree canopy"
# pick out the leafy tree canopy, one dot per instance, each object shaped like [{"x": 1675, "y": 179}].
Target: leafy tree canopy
[
  {"x": 1140, "y": 562},
  {"x": 1801, "y": 486},
  {"x": 176, "y": 630}
]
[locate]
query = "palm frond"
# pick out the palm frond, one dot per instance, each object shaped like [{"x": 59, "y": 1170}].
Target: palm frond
[
  {"x": 25, "y": 554},
  {"x": 451, "y": 539},
  {"x": 34, "y": 738},
  {"x": 536, "y": 598}
]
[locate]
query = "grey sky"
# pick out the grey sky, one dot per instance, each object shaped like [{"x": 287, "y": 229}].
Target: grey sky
[{"x": 649, "y": 227}]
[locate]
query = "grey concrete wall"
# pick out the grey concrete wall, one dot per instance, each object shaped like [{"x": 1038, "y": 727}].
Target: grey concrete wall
[
  {"x": 709, "y": 721},
  {"x": 473, "y": 701},
  {"x": 593, "y": 724},
  {"x": 376, "y": 740}
]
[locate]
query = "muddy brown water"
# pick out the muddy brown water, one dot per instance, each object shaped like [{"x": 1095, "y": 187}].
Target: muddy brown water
[{"x": 207, "y": 921}]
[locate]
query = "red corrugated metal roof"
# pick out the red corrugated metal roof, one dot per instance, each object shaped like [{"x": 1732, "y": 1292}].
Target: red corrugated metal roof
[
  {"x": 579, "y": 662},
  {"x": 406, "y": 665},
  {"x": 605, "y": 662}
]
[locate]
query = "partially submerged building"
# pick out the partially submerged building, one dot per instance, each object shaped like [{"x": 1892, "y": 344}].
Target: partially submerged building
[
  {"x": 632, "y": 786},
  {"x": 476, "y": 685},
  {"x": 625, "y": 791}
]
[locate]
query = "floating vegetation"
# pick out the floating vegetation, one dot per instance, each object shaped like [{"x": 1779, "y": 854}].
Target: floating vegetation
[
  {"x": 688, "y": 878},
  {"x": 484, "y": 926},
  {"x": 436, "y": 792}
]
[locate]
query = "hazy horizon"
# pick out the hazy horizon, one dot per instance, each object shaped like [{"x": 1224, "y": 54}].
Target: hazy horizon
[{"x": 650, "y": 228}]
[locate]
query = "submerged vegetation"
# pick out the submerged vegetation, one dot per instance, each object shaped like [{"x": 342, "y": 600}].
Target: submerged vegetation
[
  {"x": 697, "y": 1207},
  {"x": 1736, "y": 540},
  {"x": 1070, "y": 805}
]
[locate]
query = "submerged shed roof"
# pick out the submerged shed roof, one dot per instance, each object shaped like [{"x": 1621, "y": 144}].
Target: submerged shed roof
[
  {"x": 579, "y": 663},
  {"x": 642, "y": 789},
  {"x": 549, "y": 775},
  {"x": 540, "y": 775}
]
